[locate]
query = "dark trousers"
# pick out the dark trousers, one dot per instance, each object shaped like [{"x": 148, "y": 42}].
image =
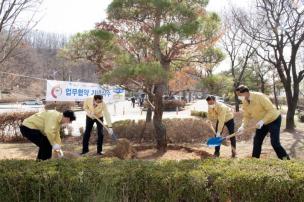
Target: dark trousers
[
  {"x": 230, "y": 126},
  {"x": 87, "y": 134},
  {"x": 35, "y": 136},
  {"x": 274, "y": 129}
]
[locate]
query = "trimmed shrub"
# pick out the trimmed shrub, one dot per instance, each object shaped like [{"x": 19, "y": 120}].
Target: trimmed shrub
[
  {"x": 170, "y": 105},
  {"x": 199, "y": 113},
  {"x": 115, "y": 180},
  {"x": 301, "y": 101},
  {"x": 301, "y": 117},
  {"x": 282, "y": 100},
  {"x": 59, "y": 106},
  {"x": 9, "y": 100},
  {"x": 178, "y": 130},
  {"x": 10, "y": 123}
]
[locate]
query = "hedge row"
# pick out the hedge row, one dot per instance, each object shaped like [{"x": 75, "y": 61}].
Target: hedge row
[
  {"x": 301, "y": 117},
  {"x": 59, "y": 106},
  {"x": 9, "y": 127},
  {"x": 200, "y": 114},
  {"x": 178, "y": 130},
  {"x": 170, "y": 105},
  {"x": 115, "y": 180}
]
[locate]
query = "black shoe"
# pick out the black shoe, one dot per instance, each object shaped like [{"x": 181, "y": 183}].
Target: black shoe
[
  {"x": 286, "y": 158},
  {"x": 233, "y": 152},
  {"x": 100, "y": 153},
  {"x": 216, "y": 154},
  {"x": 83, "y": 153}
]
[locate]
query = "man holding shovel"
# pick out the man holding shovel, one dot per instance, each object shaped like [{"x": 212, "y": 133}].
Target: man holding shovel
[
  {"x": 43, "y": 129},
  {"x": 259, "y": 107},
  {"x": 223, "y": 116},
  {"x": 95, "y": 109}
]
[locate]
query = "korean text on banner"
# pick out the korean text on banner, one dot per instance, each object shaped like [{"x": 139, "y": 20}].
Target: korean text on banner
[{"x": 79, "y": 91}]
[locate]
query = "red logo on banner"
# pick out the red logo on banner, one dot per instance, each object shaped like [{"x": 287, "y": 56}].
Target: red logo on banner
[{"x": 56, "y": 91}]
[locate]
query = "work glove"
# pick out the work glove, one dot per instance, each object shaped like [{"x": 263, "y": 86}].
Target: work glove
[
  {"x": 110, "y": 131},
  {"x": 242, "y": 98},
  {"x": 112, "y": 134},
  {"x": 218, "y": 134},
  {"x": 56, "y": 147},
  {"x": 59, "y": 153},
  {"x": 241, "y": 129},
  {"x": 260, "y": 124}
]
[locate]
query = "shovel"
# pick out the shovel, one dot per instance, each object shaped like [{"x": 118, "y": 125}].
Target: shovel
[
  {"x": 113, "y": 136},
  {"x": 217, "y": 141}
]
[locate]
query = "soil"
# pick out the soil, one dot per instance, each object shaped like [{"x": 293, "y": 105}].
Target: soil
[
  {"x": 174, "y": 152},
  {"x": 293, "y": 142}
]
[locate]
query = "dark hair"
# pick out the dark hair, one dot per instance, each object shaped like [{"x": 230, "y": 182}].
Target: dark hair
[
  {"x": 242, "y": 89},
  {"x": 69, "y": 114},
  {"x": 98, "y": 97},
  {"x": 210, "y": 97}
]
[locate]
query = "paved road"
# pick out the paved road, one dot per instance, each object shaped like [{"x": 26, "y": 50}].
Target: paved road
[{"x": 19, "y": 107}]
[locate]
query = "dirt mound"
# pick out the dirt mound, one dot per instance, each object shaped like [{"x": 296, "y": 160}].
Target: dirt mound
[{"x": 123, "y": 150}]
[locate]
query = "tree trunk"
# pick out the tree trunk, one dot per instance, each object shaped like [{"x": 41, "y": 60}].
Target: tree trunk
[
  {"x": 291, "y": 104},
  {"x": 160, "y": 129},
  {"x": 148, "y": 120},
  {"x": 237, "y": 104},
  {"x": 236, "y": 99},
  {"x": 184, "y": 94},
  {"x": 149, "y": 110},
  {"x": 276, "y": 101},
  {"x": 275, "y": 93},
  {"x": 189, "y": 96},
  {"x": 290, "y": 124},
  {"x": 149, "y": 115},
  {"x": 262, "y": 85}
]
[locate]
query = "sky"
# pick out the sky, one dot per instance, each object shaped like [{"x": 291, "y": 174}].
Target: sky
[{"x": 71, "y": 16}]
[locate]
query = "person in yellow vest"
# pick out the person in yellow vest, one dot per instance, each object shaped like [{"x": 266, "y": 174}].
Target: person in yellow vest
[
  {"x": 43, "y": 129},
  {"x": 258, "y": 106},
  {"x": 95, "y": 107},
  {"x": 223, "y": 116}
]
